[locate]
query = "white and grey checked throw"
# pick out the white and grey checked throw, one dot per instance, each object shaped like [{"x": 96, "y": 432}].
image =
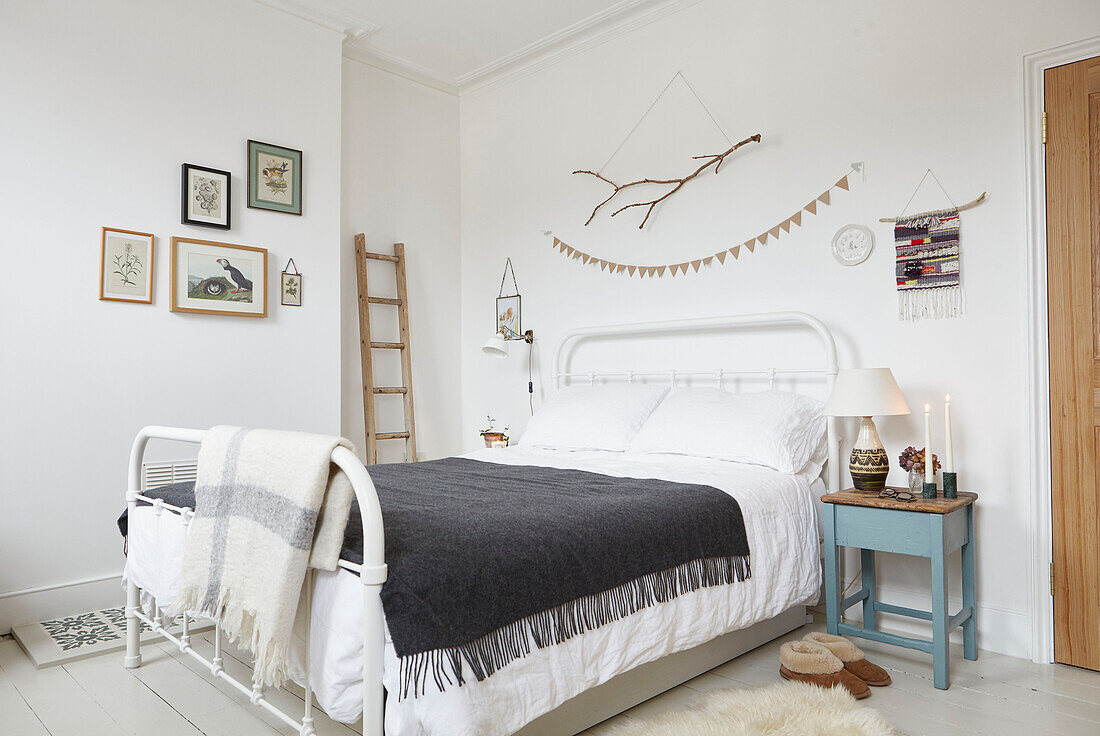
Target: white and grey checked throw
[{"x": 267, "y": 505}]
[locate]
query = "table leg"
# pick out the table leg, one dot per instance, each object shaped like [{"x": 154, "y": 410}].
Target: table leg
[
  {"x": 867, "y": 567},
  {"x": 970, "y": 634},
  {"x": 941, "y": 677},
  {"x": 832, "y": 571}
]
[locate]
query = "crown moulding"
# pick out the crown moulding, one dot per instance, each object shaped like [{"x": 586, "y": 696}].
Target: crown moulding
[{"x": 599, "y": 28}]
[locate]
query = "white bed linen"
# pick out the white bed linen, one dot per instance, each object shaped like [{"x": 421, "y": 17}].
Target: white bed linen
[{"x": 780, "y": 518}]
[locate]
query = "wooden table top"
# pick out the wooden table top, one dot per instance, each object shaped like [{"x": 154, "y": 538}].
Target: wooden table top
[{"x": 937, "y": 505}]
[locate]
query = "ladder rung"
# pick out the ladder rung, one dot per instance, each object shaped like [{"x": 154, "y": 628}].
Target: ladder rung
[
  {"x": 379, "y": 257},
  {"x": 388, "y": 345},
  {"x": 390, "y": 390},
  {"x": 383, "y": 300},
  {"x": 391, "y": 436}
]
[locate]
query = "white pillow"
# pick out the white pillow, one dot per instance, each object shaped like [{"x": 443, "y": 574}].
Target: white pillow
[
  {"x": 602, "y": 417},
  {"x": 775, "y": 428}
]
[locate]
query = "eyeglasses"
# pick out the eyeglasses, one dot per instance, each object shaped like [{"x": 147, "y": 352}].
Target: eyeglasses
[{"x": 897, "y": 495}]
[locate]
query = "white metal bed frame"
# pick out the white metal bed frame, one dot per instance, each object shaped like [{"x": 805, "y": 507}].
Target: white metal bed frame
[{"x": 372, "y": 572}]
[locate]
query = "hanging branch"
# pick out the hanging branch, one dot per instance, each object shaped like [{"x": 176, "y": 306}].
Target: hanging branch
[{"x": 715, "y": 160}]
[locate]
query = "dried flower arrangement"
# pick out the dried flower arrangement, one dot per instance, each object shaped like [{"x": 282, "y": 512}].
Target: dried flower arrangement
[{"x": 913, "y": 459}]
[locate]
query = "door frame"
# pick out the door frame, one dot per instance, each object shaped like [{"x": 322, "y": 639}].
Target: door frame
[{"x": 1041, "y": 542}]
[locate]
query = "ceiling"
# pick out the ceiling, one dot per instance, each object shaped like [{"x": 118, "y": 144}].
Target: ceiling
[{"x": 462, "y": 45}]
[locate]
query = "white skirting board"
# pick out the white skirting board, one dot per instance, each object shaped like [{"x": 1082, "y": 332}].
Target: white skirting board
[
  {"x": 30, "y": 605},
  {"x": 649, "y": 680}
]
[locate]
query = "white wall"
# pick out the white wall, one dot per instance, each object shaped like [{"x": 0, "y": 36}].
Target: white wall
[
  {"x": 401, "y": 184},
  {"x": 102, "y": 102},
  {"x": 901, "y": 86}
]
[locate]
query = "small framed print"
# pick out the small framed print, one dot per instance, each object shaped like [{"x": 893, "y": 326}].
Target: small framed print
[
  {"x": 274, "y": 178},
  {"x": 205, "y": 197},
  {"x": 291, "y": 291},
  {"x": 218, "y": 278},
  {"x": 126, "y": 266},
  {"x": 508, "y": 317}
]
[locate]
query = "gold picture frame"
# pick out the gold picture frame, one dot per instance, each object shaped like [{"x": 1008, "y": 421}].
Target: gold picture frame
[
  {"x": 126, "y": 266},
  {"x": 208, "y": 277}
]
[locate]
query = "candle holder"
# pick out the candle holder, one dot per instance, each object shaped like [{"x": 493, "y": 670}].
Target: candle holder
[
  {"x": 928, "y": 490},
  {"x": 950, "y": 485}
]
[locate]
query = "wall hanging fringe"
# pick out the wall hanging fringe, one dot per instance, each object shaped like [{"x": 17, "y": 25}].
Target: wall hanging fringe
[{"x": 675, "y": 269}]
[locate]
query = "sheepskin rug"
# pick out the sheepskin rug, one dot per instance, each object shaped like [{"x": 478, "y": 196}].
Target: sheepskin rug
[{"x": 783, "y": 709}]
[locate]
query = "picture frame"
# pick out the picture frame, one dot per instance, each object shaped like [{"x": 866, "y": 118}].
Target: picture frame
[
  {"x": 208, "y": 277},
  {"x": 126, "y": 266},
  {"x": 205, "y": 196},
  {"x": 274, "y": 178},
  {"x": 509, "y": 317},
  {"x": 290, "y": 292}
]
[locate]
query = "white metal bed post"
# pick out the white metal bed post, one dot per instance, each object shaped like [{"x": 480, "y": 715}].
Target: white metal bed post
[{"x": 372, "y": 573}]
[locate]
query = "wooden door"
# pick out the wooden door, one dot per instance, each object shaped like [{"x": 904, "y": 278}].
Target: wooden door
[{"x": 1073, "y": 283}]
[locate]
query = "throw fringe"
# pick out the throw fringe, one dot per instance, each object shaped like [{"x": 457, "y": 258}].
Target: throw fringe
[
  {"x": 945, "y": 301},
  {"x": 489, "y": 653},
  {"x": 246, "y": 630}
]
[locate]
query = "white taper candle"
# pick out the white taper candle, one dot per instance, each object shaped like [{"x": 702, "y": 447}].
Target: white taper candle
[
  {"x": 948, "y": 449},
  {"x": 929, "y": 473}
]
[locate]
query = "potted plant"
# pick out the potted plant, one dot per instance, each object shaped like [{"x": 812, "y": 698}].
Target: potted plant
[
  {"x": 912, "y": 460},
  {"x": 492, "y": 435}
]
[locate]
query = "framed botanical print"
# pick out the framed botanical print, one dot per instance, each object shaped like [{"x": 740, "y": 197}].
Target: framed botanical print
[
  {"x": 291, "y": 291},
  {"x": 274, "y": 178},
  {"x": 508, "y": 317},
  {"x": 126, "y": 266},
  {"x": 205, "y": 197},
  {"x": 218, "y": 278}
]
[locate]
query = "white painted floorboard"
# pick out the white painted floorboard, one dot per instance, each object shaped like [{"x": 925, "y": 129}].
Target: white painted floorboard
[{"x": 173, "y": 695}]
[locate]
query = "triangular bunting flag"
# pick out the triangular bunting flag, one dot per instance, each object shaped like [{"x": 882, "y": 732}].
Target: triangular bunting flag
[
  {"x": 842, "y": 182},
  {"x": 706, "y": 261},
  {"x": 568, "y": 250},
  {"x": 751, "y": 245},
  {"x": 774, "y": 232},
  {"x": 620, "y": 268},
  {"x": 661, "y": 271},
  {"x": 556, "y": 243},
  {"x": 811, "y": 207},
  {"x": 576, "y": 253},
  {"x": 585, "y": 258},
  {"x": 796, "y": 218},
  {"x": 735, "y": 250},
  {"x": 786, "y": 225},
  {"x": 762, "y": 238},
  {"x": 630, "y": 270},
  {"x": 722, "y": 256},
  {"x": 695, "y": 265},
  {"x": 824, "y": 198}
]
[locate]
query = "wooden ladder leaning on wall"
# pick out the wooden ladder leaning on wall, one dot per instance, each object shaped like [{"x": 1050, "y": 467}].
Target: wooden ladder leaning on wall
[{"x": 367, "y": 345}]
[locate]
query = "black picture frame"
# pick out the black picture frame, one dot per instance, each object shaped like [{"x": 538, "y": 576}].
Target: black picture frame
[
  {"x": 187, "y": 200},
  {"x": 502, "y": 326}
]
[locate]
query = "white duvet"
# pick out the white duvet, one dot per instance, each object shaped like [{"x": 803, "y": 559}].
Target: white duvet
[{"x": 780, "y": 517}]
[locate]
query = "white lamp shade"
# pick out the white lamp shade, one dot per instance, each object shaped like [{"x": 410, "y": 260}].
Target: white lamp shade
[
  {"x": 495, "y": 346},
  {"x": 865, "y": 392}
]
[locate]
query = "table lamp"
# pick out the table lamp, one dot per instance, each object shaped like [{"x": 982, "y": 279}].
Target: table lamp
[{"x": 867, "y": 392}]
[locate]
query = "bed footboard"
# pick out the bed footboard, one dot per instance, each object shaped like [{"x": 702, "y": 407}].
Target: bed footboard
[{"x": 372, "y": 573}]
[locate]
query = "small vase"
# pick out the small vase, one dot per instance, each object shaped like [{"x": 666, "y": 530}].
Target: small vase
[{"x": 916, "y": 482}]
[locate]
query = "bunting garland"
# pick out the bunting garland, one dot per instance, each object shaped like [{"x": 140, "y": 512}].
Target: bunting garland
[{"x": 675, "y": 269}]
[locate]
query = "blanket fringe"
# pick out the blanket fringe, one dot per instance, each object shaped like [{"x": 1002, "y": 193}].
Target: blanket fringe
[
  {"x": 940, "y": 302},
  {"x": 486, "y": 655}
]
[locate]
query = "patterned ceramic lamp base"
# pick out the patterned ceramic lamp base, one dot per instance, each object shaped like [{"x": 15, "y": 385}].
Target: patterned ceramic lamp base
[{"x": 869, "y": 468}]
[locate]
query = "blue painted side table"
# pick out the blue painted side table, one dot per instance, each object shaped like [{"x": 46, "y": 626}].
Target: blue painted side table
[{"x": 925, "y": 527}]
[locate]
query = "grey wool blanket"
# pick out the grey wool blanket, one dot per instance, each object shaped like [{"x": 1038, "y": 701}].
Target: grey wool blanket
[
  {"x": 488, "y": 561},
  {"x": 268, "y": 504}
]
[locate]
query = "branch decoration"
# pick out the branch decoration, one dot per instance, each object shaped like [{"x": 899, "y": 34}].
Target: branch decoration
[
  {"x": 716, "y": 160},
  {"x": 774, "y": 233}
]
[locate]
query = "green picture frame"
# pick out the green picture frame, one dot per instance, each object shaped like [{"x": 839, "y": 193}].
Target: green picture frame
[{"x": 274, "y": 178}]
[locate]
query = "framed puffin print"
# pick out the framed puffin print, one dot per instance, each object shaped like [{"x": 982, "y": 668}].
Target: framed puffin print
[
  {"x": 218, "y": 278},
  {"x": 274, "y": 178}
]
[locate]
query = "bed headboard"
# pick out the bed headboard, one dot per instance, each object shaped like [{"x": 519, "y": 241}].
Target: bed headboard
[{"x": 827, "y": 371}]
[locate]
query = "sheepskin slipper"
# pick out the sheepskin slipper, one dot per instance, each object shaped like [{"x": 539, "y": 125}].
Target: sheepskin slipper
[
  {"x": 805, "y": 661},
  {"x": 783, "y": 709},
  {"x": 852, "y": 657}
]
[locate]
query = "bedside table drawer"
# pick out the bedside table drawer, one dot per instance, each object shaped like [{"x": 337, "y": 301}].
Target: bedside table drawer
[{"x": 890, "y": 530}]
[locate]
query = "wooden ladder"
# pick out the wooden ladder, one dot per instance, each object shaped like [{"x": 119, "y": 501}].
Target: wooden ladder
[{"x": 367, "y": 345}]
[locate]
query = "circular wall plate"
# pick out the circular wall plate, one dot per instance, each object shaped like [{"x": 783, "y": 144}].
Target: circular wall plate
[{"x": 852, "y": 244}]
